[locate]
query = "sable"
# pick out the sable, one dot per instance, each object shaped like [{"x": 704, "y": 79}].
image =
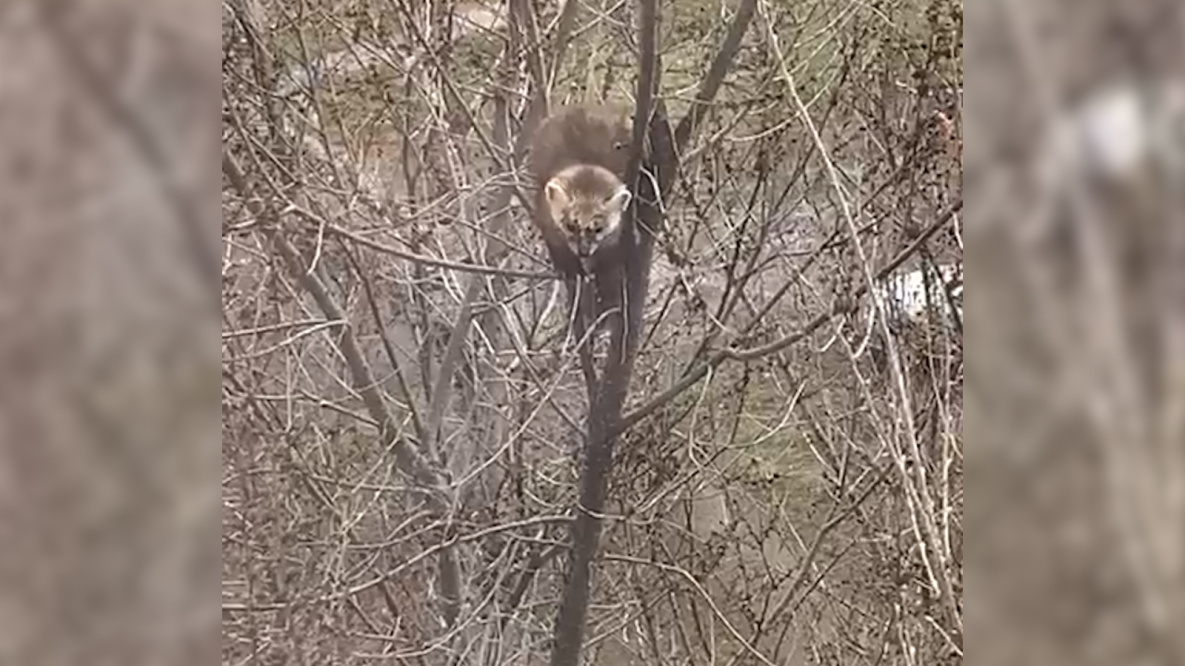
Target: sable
[{"x": 577, "y": 159}]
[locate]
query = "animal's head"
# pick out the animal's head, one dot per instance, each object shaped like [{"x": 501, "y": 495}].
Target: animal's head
[{"x": 587, "y": 204}]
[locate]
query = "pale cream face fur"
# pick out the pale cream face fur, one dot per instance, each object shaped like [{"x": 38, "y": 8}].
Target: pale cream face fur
[{"x": 587, "y": 218}]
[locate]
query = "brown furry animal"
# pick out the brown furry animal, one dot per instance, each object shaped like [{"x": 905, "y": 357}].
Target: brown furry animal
[{"x": 578, "y": 157}]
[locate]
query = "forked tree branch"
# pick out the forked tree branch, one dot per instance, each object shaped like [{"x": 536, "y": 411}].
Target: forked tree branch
[
  {"x": 642, "y": 224},
  {"x": 605, "y": 407}
]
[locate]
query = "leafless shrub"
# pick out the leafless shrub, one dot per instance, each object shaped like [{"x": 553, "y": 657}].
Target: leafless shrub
[{"x": 405, "y": 421}]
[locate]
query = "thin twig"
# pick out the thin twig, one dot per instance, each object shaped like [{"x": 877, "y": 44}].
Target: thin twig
[{"x": 693, "y": 376}]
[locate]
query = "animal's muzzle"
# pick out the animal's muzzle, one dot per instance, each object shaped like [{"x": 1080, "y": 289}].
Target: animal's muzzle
[{"x": 586, "y": 244}]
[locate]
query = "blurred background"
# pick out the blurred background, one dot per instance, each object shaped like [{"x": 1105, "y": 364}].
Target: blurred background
[
  {"x": 1076, "y": 126},
  {"x": 109, "y": 498}
]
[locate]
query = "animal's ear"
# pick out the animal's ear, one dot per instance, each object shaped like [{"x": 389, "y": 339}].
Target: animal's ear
[
  {"x": 557, "y": 196},
  {"x": 557, "y": 199},
  {"x": 619, "y": 200}
]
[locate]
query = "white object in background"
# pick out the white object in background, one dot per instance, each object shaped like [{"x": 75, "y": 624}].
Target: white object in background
[
  {"x": 1109, "y": 139},
  {"x": 1112, "y": 133},
  {"x": 905, "y": 293}
]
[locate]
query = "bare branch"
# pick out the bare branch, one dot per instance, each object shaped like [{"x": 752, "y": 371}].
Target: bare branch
[
  {"x": 605, "y": 409},
  {"x": 715, "y": 76},
  {"x": 718, "y": 357},
  {"x": 433, "y": 261},
  {"x": 560, "y": 47},
  {"x": 524, "y": 31},
  {"x": 407, "y": 455},
  {"x": 388, "y": 348}
]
